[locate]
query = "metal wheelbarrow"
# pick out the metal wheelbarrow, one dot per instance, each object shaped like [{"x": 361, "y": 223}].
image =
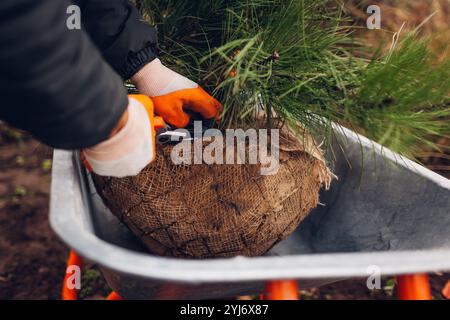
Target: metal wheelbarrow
[{"x": 384, "y": 211}]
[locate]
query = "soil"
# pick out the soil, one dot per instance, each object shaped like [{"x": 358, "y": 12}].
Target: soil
[{"x": 32, "y": 258}]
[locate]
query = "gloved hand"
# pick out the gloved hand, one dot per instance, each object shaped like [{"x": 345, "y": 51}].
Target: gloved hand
[
  {"x": 171, "y": 92},
  {"x": 129, "y": 149}
]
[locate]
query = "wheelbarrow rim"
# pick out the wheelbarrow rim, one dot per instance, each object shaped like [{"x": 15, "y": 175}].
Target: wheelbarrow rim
[
  {"x": 303, "y": 266},
  {"x": 315, "y": 266}
]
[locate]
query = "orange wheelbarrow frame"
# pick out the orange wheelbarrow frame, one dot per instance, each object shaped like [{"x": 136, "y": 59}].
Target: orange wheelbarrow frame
[{"x": 410, "y": 287}]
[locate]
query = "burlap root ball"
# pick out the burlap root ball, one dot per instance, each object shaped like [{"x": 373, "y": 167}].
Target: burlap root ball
[{"x": 206, "y": 211}]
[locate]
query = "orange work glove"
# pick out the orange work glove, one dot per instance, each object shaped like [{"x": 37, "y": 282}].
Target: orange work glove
[
  {"x": 130, "y": 149},
  {"x": 172, "y": 94}
]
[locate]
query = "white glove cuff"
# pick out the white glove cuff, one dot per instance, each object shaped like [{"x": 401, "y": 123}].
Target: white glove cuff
[
  {"x": 154, "y": 79},
  {"x": 127, "y": 152}
]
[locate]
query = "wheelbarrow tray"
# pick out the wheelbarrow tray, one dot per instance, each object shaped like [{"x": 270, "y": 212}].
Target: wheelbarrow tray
[{"x": 384, "y": 211}]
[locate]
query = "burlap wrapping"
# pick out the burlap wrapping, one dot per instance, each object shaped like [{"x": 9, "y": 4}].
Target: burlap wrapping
[{"x": 205, "y": 211}]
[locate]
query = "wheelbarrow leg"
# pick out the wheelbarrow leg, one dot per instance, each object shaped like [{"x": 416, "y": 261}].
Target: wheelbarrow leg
[
  {"x": 71, "y": 293},
  {"x": 281, "y": 290},
  {"x": 114, "y": 296},
  {"x": 414, "y": 287},
  {"x": 446, "y": 291}
]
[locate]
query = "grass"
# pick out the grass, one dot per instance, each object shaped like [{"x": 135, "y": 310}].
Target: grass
[{"x": 298, "y": 61}]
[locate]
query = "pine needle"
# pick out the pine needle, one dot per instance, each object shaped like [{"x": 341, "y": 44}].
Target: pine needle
[{"x": 294, "y": 58}]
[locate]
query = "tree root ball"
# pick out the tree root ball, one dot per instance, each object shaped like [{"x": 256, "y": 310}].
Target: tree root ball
[{"x": 221, "y": 210}]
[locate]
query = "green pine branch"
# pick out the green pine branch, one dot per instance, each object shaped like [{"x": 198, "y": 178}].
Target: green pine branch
[{"x": 295, "y": 57}]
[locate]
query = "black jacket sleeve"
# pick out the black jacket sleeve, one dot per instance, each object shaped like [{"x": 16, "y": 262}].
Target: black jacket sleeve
[
  {"x": 115, "y": 26},
  {"x": 53, "y": 81}
]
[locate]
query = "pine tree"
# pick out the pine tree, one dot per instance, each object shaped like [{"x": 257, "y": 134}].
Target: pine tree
[{"x": 296, "y": 60}]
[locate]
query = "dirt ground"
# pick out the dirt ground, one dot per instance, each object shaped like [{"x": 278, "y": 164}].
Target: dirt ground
[{"x": 32, "y": 258}]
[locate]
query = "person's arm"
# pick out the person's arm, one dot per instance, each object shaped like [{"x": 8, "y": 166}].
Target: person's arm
[
  {"x": 129, "y": 45},
  {"x": 53, "y": 81},
  {"x": 116, "y": 28}
]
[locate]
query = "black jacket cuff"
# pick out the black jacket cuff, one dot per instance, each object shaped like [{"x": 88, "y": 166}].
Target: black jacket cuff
[{"x": 136, "y": 61}]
